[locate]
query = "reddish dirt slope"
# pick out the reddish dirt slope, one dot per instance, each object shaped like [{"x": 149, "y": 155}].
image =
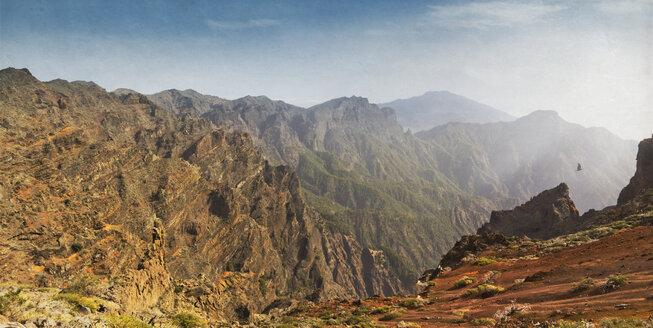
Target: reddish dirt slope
[{"x": 547, "y": 290}]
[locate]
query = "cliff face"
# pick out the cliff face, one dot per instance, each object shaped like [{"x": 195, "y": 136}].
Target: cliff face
[
  {"x": 116, "y": 187},
  {"x": 642, "y": 181},
  {"x": 551, "y": 213}
]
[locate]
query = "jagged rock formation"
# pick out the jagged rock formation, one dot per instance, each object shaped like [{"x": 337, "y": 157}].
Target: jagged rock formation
[
  {"x": 642, "y": 182},
  {"x": 521, "y": 158},
  {"x": 358, "y": 167},
  {"x": 440, "y": 107},
  {"x": 116, "y": 187},
  {"x": 551, "y": 213}
]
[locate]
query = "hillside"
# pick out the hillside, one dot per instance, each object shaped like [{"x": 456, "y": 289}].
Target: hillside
[
  {"x": 366, "y": 175},
  {"x": 536, "y": 152},
  {"x": 169, "y": 214},
  {"x": 599, "y": 276},
  {"x": 440, "y": 107},
  {"x": 363, "y": 173}
]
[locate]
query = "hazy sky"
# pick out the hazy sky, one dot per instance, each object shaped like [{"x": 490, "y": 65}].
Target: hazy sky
[{"x": 589, "y": 60}]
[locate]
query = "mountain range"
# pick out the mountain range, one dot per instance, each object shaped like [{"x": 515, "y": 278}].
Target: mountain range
[
  {"x": 367, "y": 176},
  {"x": 440, "y": 107}
]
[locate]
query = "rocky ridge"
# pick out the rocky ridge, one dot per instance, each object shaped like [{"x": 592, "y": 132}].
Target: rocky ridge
[{"x": 118, "y": 188}]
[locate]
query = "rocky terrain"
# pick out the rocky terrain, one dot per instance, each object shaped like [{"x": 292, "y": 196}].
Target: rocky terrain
[
  {"x": 367, "y": 176},
  {"x": 154, "y": 214},
  {"x": 441, "y": 107},
  {"x": 549, "y": 214},
  {"x": 599, "y": 276}
]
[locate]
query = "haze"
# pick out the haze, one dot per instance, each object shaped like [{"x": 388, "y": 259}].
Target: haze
[{"x": 588, "y": 60}]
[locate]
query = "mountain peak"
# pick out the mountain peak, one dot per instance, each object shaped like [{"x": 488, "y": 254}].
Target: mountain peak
[{"x": 20, "y": 76}]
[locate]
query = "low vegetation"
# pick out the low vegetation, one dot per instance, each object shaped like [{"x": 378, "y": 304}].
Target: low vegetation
[
  {"x": 188, "y": 320},
  {"x": 391, "y": 316},
  {"x": 623, "y": 323},
  {"x": 487, "y": 260},
  {"x": 484, "y": 290},
  {"x": 78, "y": 300},
  {"x": 10, "y": 298},
  {"x": 412, "y": 303},
  {"x": 381, "y": 310},
  {"x": 124, "y": 321},
  {"x": 464, "y": 281},
  {"x": 584, "y": 284},
  {"x": 615, "y": 281}
]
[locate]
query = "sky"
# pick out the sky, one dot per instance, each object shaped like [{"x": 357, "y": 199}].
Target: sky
[{"x": 591, "y": 61}]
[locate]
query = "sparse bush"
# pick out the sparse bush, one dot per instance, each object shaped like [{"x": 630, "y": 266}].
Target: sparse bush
[
  {"x": 356, "y": 320},
  {"x": 483, "y": 322},
  {"x": 381, "y": 310},
  {"x": 188, "y": 320},
  {"x": 178, "y": 288},
  {"x": 572, "y": 324},
  {"x": 124, "y": 321},
  {"x": 76, "y": 247},
  {"x": 485, "y": 260},
  {"x": 431, "y": 283},
  {"x": 10, "y": 298},
  {"x": 464, "y": 281},
  {"x": 404, "y": 324},
  {"x": 391, "y": 316},
  {"x": 622, "y": 323},
  {"x": 78, "y": 300},
  {"x": 615, "y": 280},
  {"x": 484, "y": 290},
  {"x": 364, "y": 309},
  {"x": 411, "y": 303},
  {"x": 584, "y": 284}
]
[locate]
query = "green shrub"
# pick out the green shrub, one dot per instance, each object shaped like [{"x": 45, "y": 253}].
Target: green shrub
[
  {"x": 124, "y": 321},
  {"x": 9, "y": 298},
  {"x": 381, "y": 310},
  {"x": 485, "y": 260},
  {"x": 391, "y": 316},
  {"x": 483, "y": 322},
  {"x": 571, "y": 324},
  {"x": 78, "y": 300},
  {"x": 584, "y": 284},
  {"x": 187, "y": 320},
  {"x": 356, "y": 320},
  {"x": 616, "y": 280},
  {"x": 178, "y": 288},
  {"x": 411, "y": 303},
  {"x": 484, "y": 290},
  {"x": 464, "y": 281},
  {"x": 622, "y": 323},
  {"x": 431, "y": 283},
  {"x": 365, "y": 309},
  {"x": 76, "y": 247}
]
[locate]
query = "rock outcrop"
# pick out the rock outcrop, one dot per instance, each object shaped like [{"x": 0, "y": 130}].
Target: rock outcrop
[
  {"x": 115, "y": 187},
  {"x": 551, "y": 213},
  {"x": 642, "y": 181}
]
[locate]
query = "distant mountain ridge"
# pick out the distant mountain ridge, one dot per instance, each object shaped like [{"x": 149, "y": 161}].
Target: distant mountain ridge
[
  {"x": 535, "y": 152},
  {"x": 440, "y": 107}
]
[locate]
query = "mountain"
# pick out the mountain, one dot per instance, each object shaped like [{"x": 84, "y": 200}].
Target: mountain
[
  {"x": 536, "y": 152},
  {"x": 163, "y": 213},
  {"x": 366, "y": 176},
  {"x": 596, "y": 276},
  {"x": 440, "y": 107}
]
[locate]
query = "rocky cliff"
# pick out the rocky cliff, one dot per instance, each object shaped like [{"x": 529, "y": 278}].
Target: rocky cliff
[
  {"x": 551, "y": 213},
  {"x": 115, "y": 187},
  {"x": 642, "y": 182}
]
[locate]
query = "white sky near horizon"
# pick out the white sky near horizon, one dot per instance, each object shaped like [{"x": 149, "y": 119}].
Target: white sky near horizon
[{"x": 591, "y": 61}]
